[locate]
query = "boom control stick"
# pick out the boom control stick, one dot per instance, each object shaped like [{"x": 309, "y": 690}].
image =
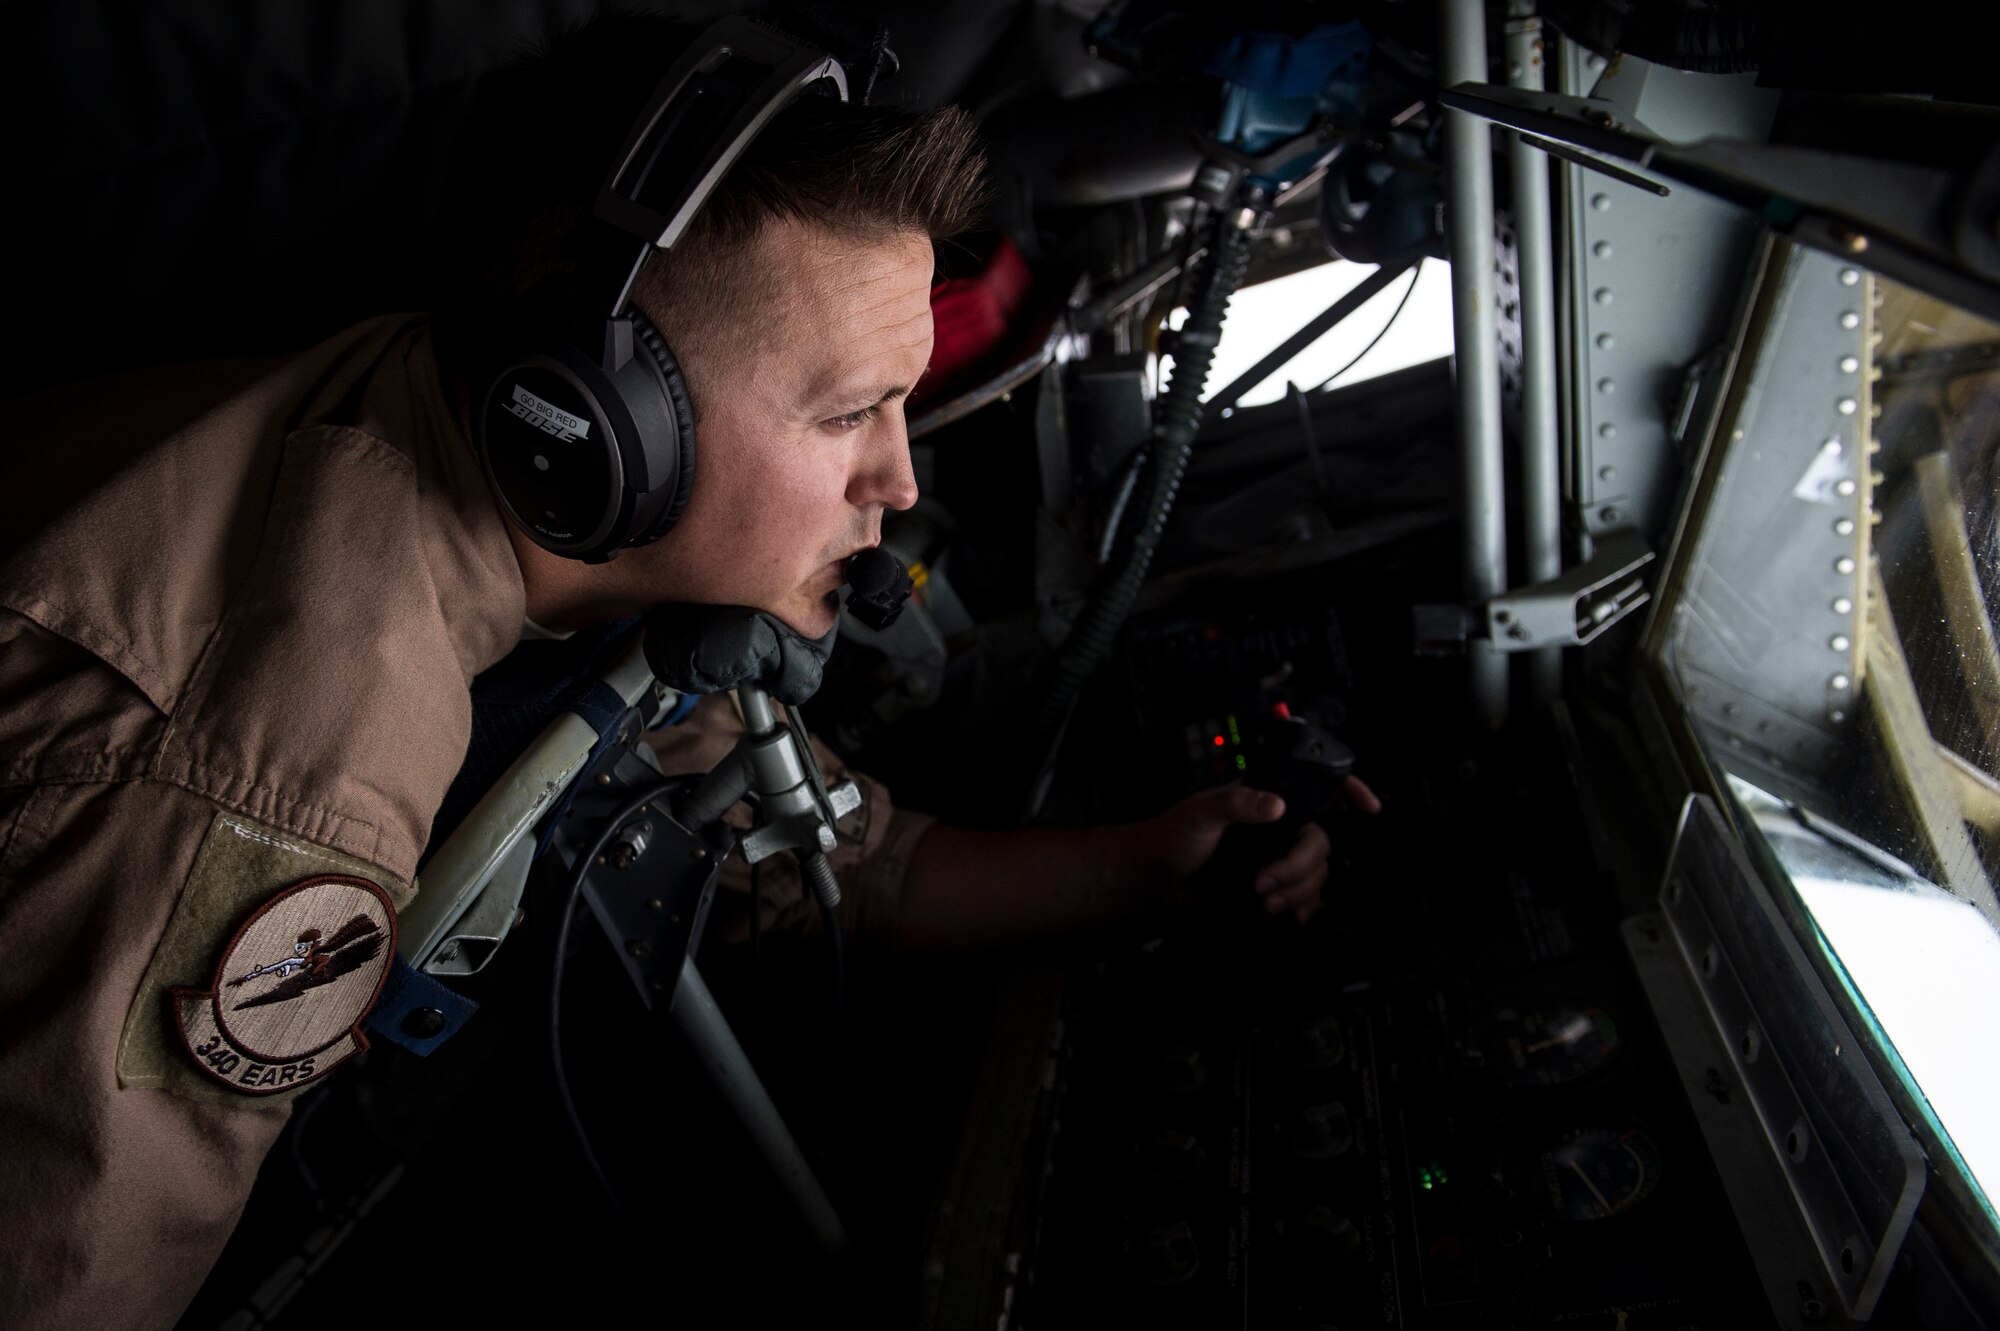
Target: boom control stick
[{"x": 1303, "y": 764}]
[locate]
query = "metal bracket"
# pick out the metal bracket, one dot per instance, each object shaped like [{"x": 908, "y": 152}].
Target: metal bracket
[
  {"x": 1577, "y": 608},
  {"x": 1853, "y": 1171},
  {"x": 801, "y": 831},
  {"x": 652, "y": 901},
  {"x": 1573, "y": 610},
  {"x": 476, "y": 935}
]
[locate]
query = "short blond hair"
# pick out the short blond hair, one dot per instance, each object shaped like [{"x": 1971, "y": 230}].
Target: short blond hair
[{"x": 555, "y": 118}]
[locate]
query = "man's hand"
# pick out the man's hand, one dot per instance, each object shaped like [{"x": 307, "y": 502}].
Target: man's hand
[
  {"x": 1186, "y": 836},
  {"x": 972, "y": 887}
]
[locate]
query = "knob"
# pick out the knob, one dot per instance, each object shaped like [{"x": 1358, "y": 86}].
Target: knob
[
  {"x": 1179, "y": 1069},
  {"x": 1325, "y": 1238},
  {"x": 1322, "y": 1131},
  {"x": 1172, "y": 1156},
  {"x": 1317, "y": 1044},
  {"x": 1165, "y": 1254}
]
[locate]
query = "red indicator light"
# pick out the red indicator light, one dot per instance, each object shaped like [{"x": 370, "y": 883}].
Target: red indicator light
[
  {"x": 1282, "y": 712},
  {"x": 1220, "y": 741}
]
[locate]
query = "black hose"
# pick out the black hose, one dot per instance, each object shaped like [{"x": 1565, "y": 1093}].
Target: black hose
[
  {"x": 572, "y": 898},
  {"x": 1176, "y": 421}
]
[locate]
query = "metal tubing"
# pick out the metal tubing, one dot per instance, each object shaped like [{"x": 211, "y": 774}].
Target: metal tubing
[
  {"x": 1541, "y": 427},
  {"x": 701, "y": 1023},
  {"x": 1468, "y": 145},
  {"x": 755, "y": 704}
]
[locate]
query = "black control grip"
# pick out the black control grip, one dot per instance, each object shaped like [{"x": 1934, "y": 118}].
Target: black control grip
[
  {"x": 878, "y": 585},
  {"x": 1300, "y": 761},
  {"x": 1303, "y": 764}
]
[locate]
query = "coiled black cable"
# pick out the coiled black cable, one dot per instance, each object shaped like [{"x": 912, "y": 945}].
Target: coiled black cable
[
  {"x": 819, "y": 880},
  {"x": 1176, "y": 421}
]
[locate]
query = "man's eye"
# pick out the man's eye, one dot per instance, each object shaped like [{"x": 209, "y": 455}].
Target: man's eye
[{"x": 852, "y": 420}]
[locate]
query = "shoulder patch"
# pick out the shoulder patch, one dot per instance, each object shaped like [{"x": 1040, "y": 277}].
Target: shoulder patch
[
  {"x": 292, "y": 987},
  {"x": 276, "y": 951}
]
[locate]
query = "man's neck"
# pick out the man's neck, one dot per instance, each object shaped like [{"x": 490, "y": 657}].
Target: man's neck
[{"x": 565, "y": 594}]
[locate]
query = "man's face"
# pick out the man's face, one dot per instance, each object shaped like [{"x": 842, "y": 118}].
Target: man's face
[{"x": 801, "y": 444}]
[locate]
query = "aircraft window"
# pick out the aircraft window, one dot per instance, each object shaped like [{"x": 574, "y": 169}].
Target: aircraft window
[
  {"x": 1263, "y": 316},
  {"x": 1827, "y": 630},
  {"x": 1925, "y": 963}
]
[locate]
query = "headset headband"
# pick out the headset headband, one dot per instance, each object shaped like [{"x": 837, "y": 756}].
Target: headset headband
[{"x": 704, "y": 113}]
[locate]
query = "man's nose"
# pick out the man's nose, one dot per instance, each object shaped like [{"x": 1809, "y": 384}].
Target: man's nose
[{"x": 883, "y": 473}]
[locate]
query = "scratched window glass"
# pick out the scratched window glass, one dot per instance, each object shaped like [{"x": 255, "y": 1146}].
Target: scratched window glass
[
  {"x": 1831, "y": 638},
  {"x": 1937, "y": 549}
]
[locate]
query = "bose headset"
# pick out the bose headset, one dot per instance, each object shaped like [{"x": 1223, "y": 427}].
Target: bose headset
[{"x": 585, "y": 427}]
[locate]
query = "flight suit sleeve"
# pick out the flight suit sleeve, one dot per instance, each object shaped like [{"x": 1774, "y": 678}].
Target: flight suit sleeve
[
  {"x": 123, "y": 1169},
  {"x": 876, "y": 841}
]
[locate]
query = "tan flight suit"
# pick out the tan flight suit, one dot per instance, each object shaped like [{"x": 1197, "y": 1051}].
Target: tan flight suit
[{"x": 240, "y": 606}]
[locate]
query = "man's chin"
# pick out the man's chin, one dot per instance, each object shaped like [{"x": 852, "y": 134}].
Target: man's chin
[{"x": 810, "y": 618}]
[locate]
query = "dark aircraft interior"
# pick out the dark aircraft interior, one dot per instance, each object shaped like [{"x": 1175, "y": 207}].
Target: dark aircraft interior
[{"x": 1656, "y": 602}]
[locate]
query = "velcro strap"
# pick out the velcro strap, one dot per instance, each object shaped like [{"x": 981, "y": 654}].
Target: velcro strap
[{"x": 416, "y": 1011}]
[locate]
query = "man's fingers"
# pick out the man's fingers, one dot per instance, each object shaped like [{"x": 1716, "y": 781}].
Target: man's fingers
[
  {"x": 1301, "y": 895},
  {"x": 1307, "y": 853},
  {"x": 1241, "y": 804},
  {"x": 1360, "y": 796}
]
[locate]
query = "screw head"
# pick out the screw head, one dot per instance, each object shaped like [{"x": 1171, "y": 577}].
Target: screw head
[
  {"x": 639, "y": 947},
  {"x": 1842, "y": 606},
  {"x": 604, "y": 778},
  {"x": 423, "y": 1023},
  {"x": 1840, "y": 642},
  {"x": 1605, "y": 341},
  {"x": 1850, "y": 320},
  {"x": 1843, "y": 565}
]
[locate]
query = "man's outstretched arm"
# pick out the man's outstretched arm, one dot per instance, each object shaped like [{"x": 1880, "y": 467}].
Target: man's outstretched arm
[{"x": 969, "y": 888}]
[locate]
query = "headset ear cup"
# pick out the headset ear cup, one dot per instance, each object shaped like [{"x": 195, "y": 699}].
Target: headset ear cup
[{"x": 682, "y": 407}]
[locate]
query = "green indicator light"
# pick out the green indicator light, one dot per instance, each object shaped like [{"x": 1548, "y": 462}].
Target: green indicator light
[
  {"x": 1235, "y": 735},
  {"x": 1241, "y": 766},
  {"x": 1427, "y": 1185}
]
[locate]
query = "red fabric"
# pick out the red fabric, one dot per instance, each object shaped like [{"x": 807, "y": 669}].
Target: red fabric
[{"x": 973, "y": 316}]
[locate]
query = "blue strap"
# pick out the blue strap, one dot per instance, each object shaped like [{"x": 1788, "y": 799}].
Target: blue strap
[
  {"x": 408, "y": 993},
  {"x": 679, "y": 711}
]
